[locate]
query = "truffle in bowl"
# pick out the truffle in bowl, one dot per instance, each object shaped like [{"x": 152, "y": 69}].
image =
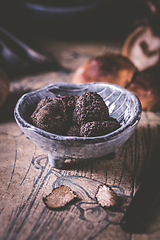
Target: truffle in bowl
[{"x": 122, "y": 105}]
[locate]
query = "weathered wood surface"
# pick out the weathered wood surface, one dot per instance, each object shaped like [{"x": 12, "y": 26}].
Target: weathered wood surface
[{"x": 26, "y": 176}]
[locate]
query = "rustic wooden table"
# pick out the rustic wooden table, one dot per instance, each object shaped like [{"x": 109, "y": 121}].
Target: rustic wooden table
[{"x": 26, "y": 176}]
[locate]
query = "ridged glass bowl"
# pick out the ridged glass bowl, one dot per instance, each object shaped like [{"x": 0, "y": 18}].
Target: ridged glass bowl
[{"x": 123, "y": 105}]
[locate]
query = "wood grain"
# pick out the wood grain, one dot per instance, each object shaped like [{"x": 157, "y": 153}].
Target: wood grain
[{"x": 26, "y": 176}]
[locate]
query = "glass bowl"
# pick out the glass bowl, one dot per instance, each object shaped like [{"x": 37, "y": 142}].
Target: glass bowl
[{"x": 122, "y": 104}]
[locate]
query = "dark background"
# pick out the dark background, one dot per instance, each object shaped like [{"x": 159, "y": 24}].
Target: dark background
[
  {"x": 72, "y": 20},
  {"x": 78, "y": 19}
]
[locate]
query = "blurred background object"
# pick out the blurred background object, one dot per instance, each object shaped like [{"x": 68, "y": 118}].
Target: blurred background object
[
  {"x": 142, "y": 47},
  {"x": 4, "y": 87},
  {"x": 80, "y": 18},
  {"x": 72, "y": 20},
  {"x": 111, "y": 68},
  {"x": 18, "y": 58},
  {"x": 146, "y": 85}
]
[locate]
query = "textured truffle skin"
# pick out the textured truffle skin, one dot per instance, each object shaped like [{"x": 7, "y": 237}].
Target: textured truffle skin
[
  {"x": 50, "y": 115},
  {"x": 90, "y": 107},
  {"x": 70, "y": 102},
  {"x": 92, "y": 129},
  {"x": 41, "y": 104},
  {"x": 74, "y": 131}
]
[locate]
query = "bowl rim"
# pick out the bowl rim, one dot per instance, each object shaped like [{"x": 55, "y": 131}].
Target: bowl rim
[
  {"x": 110, "y": 136},
  {"x": 65, "y": 10}
]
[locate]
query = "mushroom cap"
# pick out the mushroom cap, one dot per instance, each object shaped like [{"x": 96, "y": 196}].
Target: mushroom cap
[{"x": 111, "y": 68}]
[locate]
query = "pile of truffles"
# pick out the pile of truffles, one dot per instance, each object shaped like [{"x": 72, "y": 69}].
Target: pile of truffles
[{"x": 84, "y": 116}]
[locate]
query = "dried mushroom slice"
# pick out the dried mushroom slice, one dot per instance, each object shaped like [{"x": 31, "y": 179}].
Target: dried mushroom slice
[
  {"x": 106, "y": 197},
  {"x": 59, "y": 197}
]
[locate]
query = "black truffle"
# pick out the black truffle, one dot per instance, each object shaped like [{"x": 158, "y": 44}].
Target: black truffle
[
  {"x": 74, "y": 131},
  {"x": 90, "y": 107},
  {"x": 92, "y": 129},
  {"x": 41, "y": 104},
  {"x": 70, "y": 102},
  {"x": 50, "y": 115}
]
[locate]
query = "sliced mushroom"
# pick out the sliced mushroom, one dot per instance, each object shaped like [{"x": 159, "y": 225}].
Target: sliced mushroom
[
  {"x": 59, "y": 197},
  {"x": 106, "y": 197}
]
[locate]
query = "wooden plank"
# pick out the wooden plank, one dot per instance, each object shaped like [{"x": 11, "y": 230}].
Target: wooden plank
[{"x": 26, "y": 176}]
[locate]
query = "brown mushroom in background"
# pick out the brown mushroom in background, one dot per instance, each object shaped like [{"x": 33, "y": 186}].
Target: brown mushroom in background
[
  {"x": 146, "y": 85},
  {"x": 119, "y": 70},
  {"x": 111, "y": 68},
  {"x": 142, "y": 48},
  {"x": 4, "y": 87}
]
